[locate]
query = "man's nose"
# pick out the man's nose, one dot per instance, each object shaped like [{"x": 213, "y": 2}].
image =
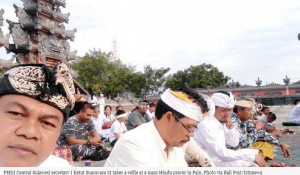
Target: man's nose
[{"x": 29, "y": 129}]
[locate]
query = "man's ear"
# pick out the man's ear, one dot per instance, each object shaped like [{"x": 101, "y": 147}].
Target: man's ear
[{"x": 168, "y": 115}]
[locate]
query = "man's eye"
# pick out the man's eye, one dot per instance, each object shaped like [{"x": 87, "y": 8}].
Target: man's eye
[
  {"x": 48, "y": 124},
  {"x": 15, "y": 113}
]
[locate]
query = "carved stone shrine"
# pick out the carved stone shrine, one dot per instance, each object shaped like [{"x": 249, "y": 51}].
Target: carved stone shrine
[{"x": 40, "y": 35}]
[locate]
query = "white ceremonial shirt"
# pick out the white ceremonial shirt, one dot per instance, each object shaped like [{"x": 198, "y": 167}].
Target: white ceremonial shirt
[
  {"x": 295, "y": 114},
  {"x": 53, "y": 161},
  {"x": 212, "y": 136},
  {"x": 116, "y": 127},
  {"x": 94, "y": 101},
  {"x": 150, "y": 114},
  {"x": 262, "y": 117},
  {"x": 98, "y": 122},
  {"x": 144, "y": 147},
  {"x": 102, "y": 105}
]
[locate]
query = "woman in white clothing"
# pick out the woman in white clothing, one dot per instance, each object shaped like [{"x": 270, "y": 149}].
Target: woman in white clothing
[
  {"x": 92, "y": 99},
  {"x": 108, "y": 119}
]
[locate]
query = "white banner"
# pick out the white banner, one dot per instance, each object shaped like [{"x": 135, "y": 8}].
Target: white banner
[{"x": 149, "y": 171}]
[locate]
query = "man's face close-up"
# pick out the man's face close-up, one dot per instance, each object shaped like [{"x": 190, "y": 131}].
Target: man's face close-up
[
  {"x": 86, "y": 115},
  {"x": 245, "y": 114},
  {"x": 223, "y": 114},
  {"x": 152, "y": 109},
  {"x": 181, "y": 132},
  {"x": 266, "y": 111},
  {"x": 143, "y": 107},
  {"x": 96, "y": 113},
  {"x": 29, "y": 130}
]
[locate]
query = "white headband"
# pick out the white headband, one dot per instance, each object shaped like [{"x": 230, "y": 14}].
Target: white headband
[
  {"x": 188, "y": 109},
  {"x": 122, "y": 115},
  {"x": 222, "y": 100}
]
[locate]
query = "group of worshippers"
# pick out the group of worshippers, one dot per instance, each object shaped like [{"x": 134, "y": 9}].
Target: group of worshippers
[{"x": 34, "y": 111}]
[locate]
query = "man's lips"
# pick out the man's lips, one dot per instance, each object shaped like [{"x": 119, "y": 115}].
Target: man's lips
[{"x": 22, "y": 149}]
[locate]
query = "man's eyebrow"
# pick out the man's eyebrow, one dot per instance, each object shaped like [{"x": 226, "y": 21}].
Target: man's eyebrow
[
  {"x": 47, "y": 116},
  {"x": 24, "y": 108}
]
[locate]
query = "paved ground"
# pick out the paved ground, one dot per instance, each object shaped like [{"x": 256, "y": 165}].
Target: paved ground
[
  {"x": 293, "y": 140},
  {"x": 282, "y": 113}
]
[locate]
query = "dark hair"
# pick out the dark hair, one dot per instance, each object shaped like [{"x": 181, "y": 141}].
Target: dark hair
[
  {"x": 163, "y": 108},
  {"x": 86, "y": 106},
  {"x": 263, "y": 109},
  {"x": 272, "y": 116},
  {"x": 145, "y": 101},
  {"x": 152, "y": 105},
  {"x": 296, "y": 101},
  {"x": 119, "y": 106},
  {"x": 236, "y": 108},
  {"x": 107, "y": 106},
  {"x": 120, "y": 112}
]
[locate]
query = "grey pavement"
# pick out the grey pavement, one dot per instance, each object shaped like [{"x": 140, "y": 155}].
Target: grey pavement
[{"x": 282, "y": 113}]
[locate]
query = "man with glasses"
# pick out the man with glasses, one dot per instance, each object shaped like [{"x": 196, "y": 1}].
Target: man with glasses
[
  {"x": 138, "y": 116},
  {"x": 217, "y": 130},
  {"x": 164, "y": 141}
]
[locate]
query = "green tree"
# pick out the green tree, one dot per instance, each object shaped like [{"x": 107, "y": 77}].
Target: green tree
[
  {"x": 199, "y": 77},
  {"x": 141, "y": 83},
  {"x": 100, "y": 73}
]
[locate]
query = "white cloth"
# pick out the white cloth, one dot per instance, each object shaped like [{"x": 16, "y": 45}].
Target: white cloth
[
  {"x": 262, "y": 117},
  {"x": 212, "y": 136},
  {"x": 150, "y": 114},
  {"x": 102, "y": 105},
  {"x": 53, "y": 161},
  {"x": 116, "y": 127},
  {"x": 98, "y": 122},
  {"x": 144, "y": 147},
  {"x": 223, "y": 100},
  {"x": 187, "y": 108},
  {"x": 106, "y": 132},
  {"x": 93, "y": 101},
  {"x": 295, "y": 114}
]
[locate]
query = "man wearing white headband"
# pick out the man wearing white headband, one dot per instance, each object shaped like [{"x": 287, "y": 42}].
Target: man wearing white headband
[
  {"x": 164, "y": 141},
  {"x": 217, "y": 130}
]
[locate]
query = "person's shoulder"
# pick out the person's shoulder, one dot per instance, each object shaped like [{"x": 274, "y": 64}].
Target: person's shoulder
[
  {"x": 133, "y": 114},
  {"x": 137, "y": 133},
  {"x": 53, "y": 161}
]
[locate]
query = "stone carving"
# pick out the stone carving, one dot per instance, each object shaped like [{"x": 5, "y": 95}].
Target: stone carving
[
  {"x": 6, "y": 63},
  {"x": 4, "y": 40},
  {"x": 51, "y": 47},
  {"x": 71, "y": 34},
  {"x": 20, "y": 37},
  {"x": 24, "y": 19},
  {"x": 1, "y": 17},
  {"x": 258, "y": 82},
  {"x": 286, "y": 81},
  {"x": 40, "y": 36},
  {"x": 29, "y": 4}
]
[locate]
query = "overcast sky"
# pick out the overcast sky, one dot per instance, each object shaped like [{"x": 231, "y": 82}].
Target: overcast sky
[{"x": 243, "y": 39}]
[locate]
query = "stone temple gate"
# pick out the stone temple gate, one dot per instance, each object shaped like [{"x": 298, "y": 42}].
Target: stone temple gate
[{"x": 39, "y": 35}]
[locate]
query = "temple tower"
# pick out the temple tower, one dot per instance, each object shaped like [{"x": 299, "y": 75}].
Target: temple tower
[{"x": 40, "y": 35}]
